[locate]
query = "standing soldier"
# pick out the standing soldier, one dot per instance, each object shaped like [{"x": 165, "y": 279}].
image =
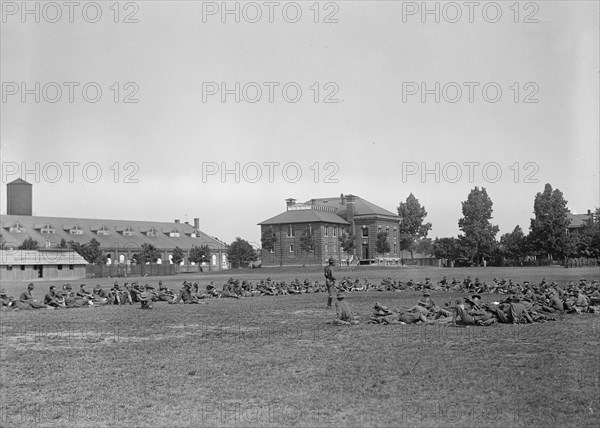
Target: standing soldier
[{"x": 329, "y": 281}]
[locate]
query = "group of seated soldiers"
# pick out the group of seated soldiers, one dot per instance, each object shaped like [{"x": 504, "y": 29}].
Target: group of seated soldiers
[
  {"x": 528, "y": 303},
  {"x": 537, "y": 299}
]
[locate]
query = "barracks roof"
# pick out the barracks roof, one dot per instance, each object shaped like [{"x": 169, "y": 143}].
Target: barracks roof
[
  {"x": 119, "y": 234},
  {"x": 305, "y": 216},
  {"x": 40, "y": 257},
  {"x": 361, "y": 206}
]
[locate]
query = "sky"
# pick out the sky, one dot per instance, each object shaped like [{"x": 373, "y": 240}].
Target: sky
[{"x": 164, "y": 110}]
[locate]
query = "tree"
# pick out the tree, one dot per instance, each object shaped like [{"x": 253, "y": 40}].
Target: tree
[
  {"x": 411, "y": 227},
  {"x": 148, "y": 254},
  {"x": 241, "y": 252},
  {"x": 347, "y": 241},
  {"x": 200, "y": 254},
  {"x": 91, "y": 251},
  {"x": 479, "y": 234},
  {"x": 548, "y": 230},
  {"x": 447, "y": 248},
  {"x": 513, "y": 246},
  {"x": 424, "y": 246},
  {"x": 268, "y": 240},
  {"x": 177, "y": 256},
  {"x": 29, "y": 244},
  {"x": 308, "y": 242},
  {"x": 382, "y": 245}
]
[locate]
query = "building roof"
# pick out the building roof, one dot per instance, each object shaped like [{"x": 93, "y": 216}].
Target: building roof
[
  {"x": 40, "y": 257},
  {"x": 362, "y": 207},
  {"x": 305, "y": 216},
  {"x": 112, "y": 234},
  {"x": 579, "y": 220}
]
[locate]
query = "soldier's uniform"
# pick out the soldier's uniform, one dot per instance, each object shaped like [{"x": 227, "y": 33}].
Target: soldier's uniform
[
  {"x": 329, "y": 282},
  {"x": 345, "y": 314}
]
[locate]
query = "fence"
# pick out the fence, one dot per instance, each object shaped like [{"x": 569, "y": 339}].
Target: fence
[{"x": 123, "y": 271}]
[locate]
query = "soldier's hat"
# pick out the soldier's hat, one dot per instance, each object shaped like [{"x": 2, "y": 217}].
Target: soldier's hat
[
  {"x": 67, "y": 287},
  {"x": 331, "y": 261},
  {"x": 3, "y": 292},
  {"x": 30, "y": 285},
  {"x": 427, "y": 278},
  {"x": 468, "y": 300},
  {"x": 426, "y": 294},
  {"x": 340, "y": 296},
  {"x": 159, "y": 282}
]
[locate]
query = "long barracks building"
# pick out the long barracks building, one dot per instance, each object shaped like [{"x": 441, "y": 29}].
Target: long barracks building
[
  {"x": 119, "y": 239},
  {"x": 327, "y": 219}
]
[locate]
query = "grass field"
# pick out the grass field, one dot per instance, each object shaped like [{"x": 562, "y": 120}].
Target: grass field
[{"x": 275, "y": 361}]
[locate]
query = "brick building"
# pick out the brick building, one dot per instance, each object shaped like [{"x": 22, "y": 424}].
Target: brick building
[{"x": 328, "y": 218}]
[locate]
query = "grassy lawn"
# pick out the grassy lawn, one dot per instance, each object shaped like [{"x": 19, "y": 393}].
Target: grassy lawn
[{"x": 275, "y": 361}]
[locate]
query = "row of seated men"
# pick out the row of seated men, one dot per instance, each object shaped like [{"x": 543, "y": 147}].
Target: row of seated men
[
  {"x": 534, "y": 306},
  {"x": 191, "y": 292}
]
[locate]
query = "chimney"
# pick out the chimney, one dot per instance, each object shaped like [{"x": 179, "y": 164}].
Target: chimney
[
  {"x": 177, "y": 221},
  {"x": 350, "y": 210},
  {"x": 196, "y": 223},
  {"x": 343, "y": 198},
  {"x": 289, "y": 202}
]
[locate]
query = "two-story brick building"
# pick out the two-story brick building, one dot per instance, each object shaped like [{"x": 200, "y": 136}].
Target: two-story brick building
[{"x": 327, "y": 219}]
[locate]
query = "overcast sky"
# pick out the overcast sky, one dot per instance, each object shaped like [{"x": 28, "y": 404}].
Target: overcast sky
[{"x": 542, "y": 127}]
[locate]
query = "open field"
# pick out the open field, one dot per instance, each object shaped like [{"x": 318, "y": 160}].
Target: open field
[{"x": 275, "y": 361}]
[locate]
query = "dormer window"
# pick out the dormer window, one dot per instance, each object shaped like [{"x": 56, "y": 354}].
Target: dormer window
[
  {"x": 151, "y": 232},
  {"x": 174, "y": 234},
  {"x": 103, "y": 231},
  {"x": 47, "y": 228},
  {"x": 16, "y": 228},
  {"x": 128, "y": 232},
  {"x": 76, "y": 231}
]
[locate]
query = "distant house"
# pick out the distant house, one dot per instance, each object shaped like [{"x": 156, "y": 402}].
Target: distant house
[
  {"x": 579, "y": 221},
  {"x": 27, "y": 265},
  {"x": 328, "y": 219}
]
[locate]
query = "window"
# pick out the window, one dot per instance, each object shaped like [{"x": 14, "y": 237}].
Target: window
[
  {"x": 103, "y": 231},
  {"x": 47, "y": 229},
  {"x": 174, "y": 234},
  {"x": 128, "y": 232},
  {"x": 9, "y": 267},
  {"x": 16, "y": 228},
  {"x": 151, "y": 232},
  {"x": 22, "y": 267},
  {"x": 76, "y": 231},
  {"x": 71, "y": 267},
  {"x": 59, "y": 267},
  {"x": 334, "y": 231},
  {"x": 272, "y": 251},
  {"x": 395, "y": 252},
  {"x": 365, "y": 231},
  {"x": 291, "y": 232},
  {"x": 291, "y": 248},
  {"x": 326, "y": 231}
]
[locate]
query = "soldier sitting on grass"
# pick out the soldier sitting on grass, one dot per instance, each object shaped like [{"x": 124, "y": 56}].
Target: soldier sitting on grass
[{"x": 344, "y": 312}]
